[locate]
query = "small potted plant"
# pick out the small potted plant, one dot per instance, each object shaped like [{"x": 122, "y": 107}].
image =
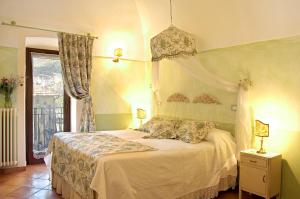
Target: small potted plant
[{"x": 7, "y": 86}]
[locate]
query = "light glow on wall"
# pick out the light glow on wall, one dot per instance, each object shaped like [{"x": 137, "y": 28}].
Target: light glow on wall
[
  {"x": 117, "y": 65},
  {"x": 139, "y": 94},
  {"x": 113, "y": 40},
  {"x": 121, "y": 88},
  {"x": 282, "y": 118},
  {"x": 138, "y": 98}
]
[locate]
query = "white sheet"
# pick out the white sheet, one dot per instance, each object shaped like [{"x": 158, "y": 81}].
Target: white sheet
[{"x": 174, "y": 170}]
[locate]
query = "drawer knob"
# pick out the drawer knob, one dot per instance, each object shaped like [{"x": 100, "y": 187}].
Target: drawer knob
[
  {"x": 264, "y": 179},
  {"x": 253, "y": 161}
]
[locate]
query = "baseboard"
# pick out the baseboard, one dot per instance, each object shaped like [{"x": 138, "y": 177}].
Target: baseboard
[
  {"x": 12, "y": 170},
  {"x": 22, "y": 164}
]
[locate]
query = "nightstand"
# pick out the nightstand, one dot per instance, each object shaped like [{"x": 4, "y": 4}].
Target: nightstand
[{"x": 260, "y": 174}]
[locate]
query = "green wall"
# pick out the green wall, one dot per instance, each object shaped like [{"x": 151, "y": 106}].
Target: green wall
[
  {"x": 274, "y": 68},
  {"x": 8, "y": 66},
  {"x": 113, "y": 121},
  {"x": 173, "y": 78}
]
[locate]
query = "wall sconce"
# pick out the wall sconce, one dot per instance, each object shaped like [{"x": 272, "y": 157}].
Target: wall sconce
[{"x": 117, "y": 54}]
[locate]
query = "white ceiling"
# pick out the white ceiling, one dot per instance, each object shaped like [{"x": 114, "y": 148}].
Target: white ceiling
[
  {"x": 131, "y": 23},
  {"x": 116, "y": 22},
  {"x": 222, "y": 23}
]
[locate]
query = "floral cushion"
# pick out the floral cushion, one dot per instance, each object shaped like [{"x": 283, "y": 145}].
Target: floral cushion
[
  {"x": 164, "y": 129},
  {"x": 189, "y": 131},
  {"x": 193, "y": 131},
  {"x": 147, "y": 126},
  {"x": 210, "y": 125}
]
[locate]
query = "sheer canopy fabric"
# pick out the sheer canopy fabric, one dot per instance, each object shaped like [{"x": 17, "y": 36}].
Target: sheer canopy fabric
[
  {"x": 76, "y": 60},
  {"x": 193, "y": 66},
  {"x": 243, "y": 132}
]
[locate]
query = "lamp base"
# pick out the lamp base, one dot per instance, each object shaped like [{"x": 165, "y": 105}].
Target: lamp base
[
  {"x": 261, "y": 150},
  {"x": 141, "y": 123},
  {"x": 116, "y": 59}
]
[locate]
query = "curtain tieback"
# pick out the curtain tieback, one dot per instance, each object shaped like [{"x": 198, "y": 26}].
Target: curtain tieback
[{"x": 88, "y": 98}]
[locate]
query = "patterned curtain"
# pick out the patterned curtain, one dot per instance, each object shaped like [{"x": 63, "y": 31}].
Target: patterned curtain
[{"x": 76, "y": 60}]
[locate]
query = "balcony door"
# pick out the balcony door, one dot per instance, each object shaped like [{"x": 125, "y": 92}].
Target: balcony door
[{"x": 47, "y": 105}]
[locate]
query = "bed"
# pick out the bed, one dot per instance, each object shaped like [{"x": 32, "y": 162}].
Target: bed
[{"x": 138, "y": 168}]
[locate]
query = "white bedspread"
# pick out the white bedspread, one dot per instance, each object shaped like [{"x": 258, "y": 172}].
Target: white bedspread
[{"x": 176, "y": 169}]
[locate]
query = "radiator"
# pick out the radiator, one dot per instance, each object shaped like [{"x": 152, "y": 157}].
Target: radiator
[{"x": 8, "y": 137}]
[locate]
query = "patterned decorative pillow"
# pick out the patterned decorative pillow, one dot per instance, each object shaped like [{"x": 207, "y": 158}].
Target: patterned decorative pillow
[
  {"x": 164, "y": 129},
  {"x": 193, "y": 131},
  {"x": 209, "y": 124},
  {"x": 176, "y": 122},
  {"x": 147, "y": 126}
]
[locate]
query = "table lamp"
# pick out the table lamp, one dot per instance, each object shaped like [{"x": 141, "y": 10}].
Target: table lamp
[
  {"x": 117, "y": 54},
  {"x": 261, "y": 130},
  {"x": 141, "y": 114}
]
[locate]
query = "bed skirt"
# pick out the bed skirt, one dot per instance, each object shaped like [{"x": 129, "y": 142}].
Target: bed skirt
[
  {"x": 64, "y": 189},
  {"x": 67, "y": 192},
  {"x": 212, "y": 192}
]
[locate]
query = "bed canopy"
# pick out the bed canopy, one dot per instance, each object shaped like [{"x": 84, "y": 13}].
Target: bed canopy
[
  {"x": 171, "y": 43},
  {"x": 180, "y": 47}
]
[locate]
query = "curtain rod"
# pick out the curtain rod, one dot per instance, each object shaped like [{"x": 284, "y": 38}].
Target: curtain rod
[{"x": 14, "y": 24}]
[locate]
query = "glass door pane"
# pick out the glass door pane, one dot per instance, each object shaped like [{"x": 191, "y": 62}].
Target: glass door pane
[{"x": 47, "y": 101}]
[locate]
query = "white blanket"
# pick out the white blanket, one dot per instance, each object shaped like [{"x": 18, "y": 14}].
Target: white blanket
[{"x": 176, "y": 169}]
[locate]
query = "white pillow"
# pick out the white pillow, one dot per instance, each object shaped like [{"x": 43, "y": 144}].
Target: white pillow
[{"x": 215, "y": 134}]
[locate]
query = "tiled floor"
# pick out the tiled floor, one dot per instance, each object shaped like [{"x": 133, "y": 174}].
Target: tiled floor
[
  {"x": 30, "y": 184},
  {"x": 34, "y": 184}
]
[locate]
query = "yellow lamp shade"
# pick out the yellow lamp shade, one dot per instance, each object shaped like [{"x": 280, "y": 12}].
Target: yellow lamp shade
[
  {"x": 141, "y": 113},
  {"x": 261, "y": 129},
  {"x": 118, "y": 52}
]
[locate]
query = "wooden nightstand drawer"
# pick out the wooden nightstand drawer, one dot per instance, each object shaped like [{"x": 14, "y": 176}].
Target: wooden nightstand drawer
[{"x": 259, "y": 162}]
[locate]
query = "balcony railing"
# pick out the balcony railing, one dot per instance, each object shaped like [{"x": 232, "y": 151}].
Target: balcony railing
[{"x": 46, "y": 122}]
